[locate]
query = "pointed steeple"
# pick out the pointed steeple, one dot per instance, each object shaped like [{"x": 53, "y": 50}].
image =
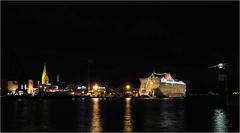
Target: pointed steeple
[{"x": 44, "y": 74}]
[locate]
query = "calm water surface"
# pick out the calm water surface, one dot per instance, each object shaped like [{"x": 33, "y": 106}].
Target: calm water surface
[{"x": 117, "y": 115}]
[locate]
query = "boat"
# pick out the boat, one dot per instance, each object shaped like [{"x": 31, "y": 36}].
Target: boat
[{"x": 165, "y": 86}]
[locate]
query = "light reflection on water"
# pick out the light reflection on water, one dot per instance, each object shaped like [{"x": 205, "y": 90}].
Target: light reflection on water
[
  {"x": 96, "y": 117},
  {"x": 127, "y": 116},
  {"x": 220, "y": 121},
  {"x": 116, "y": 115}
]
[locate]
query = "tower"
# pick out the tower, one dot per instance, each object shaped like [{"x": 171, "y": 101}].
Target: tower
[
  {"x": 45, "y": 78},
  {"x": 58, "y": 78},
  {"x": 30, "y": 86}
]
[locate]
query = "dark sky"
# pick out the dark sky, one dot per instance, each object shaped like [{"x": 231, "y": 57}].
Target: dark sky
[{"x": 124, "y": 40}]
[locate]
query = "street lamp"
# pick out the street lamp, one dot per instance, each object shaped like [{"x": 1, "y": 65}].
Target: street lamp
[
  {"x": 95, "y": 87},
  {"x": 128, "y": 87}
]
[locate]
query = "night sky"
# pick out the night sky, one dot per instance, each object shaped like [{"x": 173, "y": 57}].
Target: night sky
[{"x": 124, "y": 41}]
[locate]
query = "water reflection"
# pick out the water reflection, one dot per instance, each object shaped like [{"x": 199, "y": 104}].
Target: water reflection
[
  {"x": 44, "y": 114},
  {"x": 96, "y": 117},
  {"x": 116, "y": 115},
  {"x": 220, "y": 121},
  {"x": 128, "y": 116}
]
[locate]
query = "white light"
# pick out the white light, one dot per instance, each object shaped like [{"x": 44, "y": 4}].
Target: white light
[
  {"x": 20, "y": 92},
  {"x": 25, "y": 86},
  {"x": 220, "y": 65},
  {"x": 234, "y": 93},
  {"x": 78, "y": 87}
]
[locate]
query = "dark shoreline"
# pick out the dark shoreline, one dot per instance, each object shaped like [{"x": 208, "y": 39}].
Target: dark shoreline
[{"x": 233, "y": 101}]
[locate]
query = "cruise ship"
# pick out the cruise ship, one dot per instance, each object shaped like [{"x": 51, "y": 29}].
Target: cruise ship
[{"x": 161, "y": 85}]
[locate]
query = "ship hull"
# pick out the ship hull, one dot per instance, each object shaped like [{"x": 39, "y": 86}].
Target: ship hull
[{"x": 171, "y": 90}]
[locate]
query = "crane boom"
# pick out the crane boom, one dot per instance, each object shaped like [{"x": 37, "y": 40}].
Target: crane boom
[{"x": 159, "y": 74}]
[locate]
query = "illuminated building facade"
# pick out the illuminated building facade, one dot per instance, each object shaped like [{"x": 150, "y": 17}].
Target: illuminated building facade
[
  {"x": 97, "y": 91},
  {"x": 30, "y": 86},
  {"x": 12, "y": 86}
]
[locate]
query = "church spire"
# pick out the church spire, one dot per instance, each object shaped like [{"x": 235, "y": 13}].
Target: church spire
[{"x": 44, "y": 74}]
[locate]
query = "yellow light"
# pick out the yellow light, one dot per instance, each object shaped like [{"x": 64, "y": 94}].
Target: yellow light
[
  {"x": 128, "y": 99},
  {"x": 128, "y": 86},
  {"x": 95, "y": 87},
  {"x": 95, "y": 99}
]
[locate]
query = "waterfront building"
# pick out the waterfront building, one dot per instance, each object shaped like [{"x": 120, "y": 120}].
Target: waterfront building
[
  {"x": 81, "y": 90},
  {"x": 12, "y": 86},
  {"x": 97, "y": 91},
  {"x": 30, "y": 86}
]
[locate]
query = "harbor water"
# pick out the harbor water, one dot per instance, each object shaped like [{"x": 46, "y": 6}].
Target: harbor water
[{"x": 117, "y": 114}]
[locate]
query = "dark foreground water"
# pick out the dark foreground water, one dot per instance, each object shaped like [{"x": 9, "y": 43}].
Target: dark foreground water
[{"x": 117, "y": 115}]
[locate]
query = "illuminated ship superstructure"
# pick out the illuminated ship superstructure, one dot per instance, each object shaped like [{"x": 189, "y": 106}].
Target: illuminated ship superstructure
[{"x": 155, "y": 86}]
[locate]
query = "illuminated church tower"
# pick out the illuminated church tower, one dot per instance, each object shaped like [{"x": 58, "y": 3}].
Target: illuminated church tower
[{"x": 45, "y": 78}]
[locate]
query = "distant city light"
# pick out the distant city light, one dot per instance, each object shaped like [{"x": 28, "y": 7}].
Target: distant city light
[
  {"x": 25, "y": 86},
  {"x": 235, "y": 93},
  {"x": 81, "y": 87},
  {"x": 95, "y": 87},
  {"x": 128, "y": 86},
  {"x": 128, "y": 98}
]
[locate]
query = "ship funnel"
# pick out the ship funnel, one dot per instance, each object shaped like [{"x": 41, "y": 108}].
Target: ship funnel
[{"x": 168, "y": 76}]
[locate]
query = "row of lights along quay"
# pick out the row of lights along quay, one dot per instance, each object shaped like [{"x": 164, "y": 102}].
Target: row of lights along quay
[{"x": 71, "y": 90}]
